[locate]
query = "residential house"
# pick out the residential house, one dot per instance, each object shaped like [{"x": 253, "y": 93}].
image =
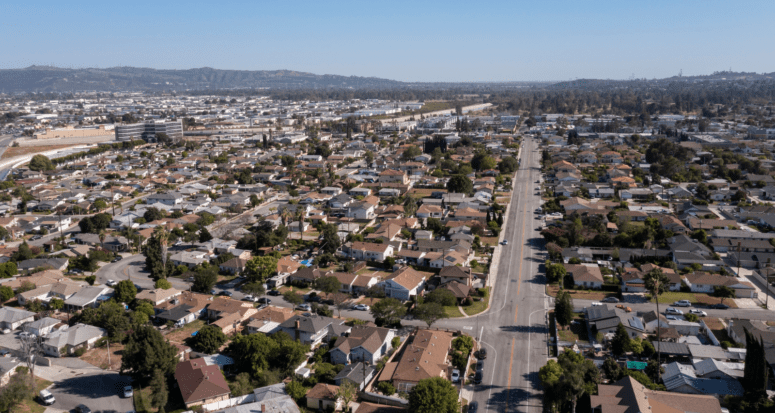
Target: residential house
[
  {"x": 404, "y": 283},
  {"x": 42, "y": 327},
  {"x": 454, "y": 273},
  {"x": 183, "y": 309},
  {"x": 702, "y": 282},
  {"x": 364, "y": 343},
  {"x": 65, "y": 342},
  {"x": 88, "y": 297},
  {"x": 629, "y": 396},
  {"x": 314, "y": 329},
  {"x": 358, "y": 374},
  {"x": 424, "y": 358},
  {"x": 585, "y": 275},
  {"x": 367, "y": 251},
  {"x": 201, "y": 384},
  {"x": 324, "y": 397},
  {"x": 13, "y": 318},
  {"x": 158, "y": 295}
]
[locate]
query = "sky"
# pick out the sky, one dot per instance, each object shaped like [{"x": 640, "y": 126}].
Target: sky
[{"x": 422, "y": 41}]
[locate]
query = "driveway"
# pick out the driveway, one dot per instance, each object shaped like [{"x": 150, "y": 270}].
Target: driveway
[
  {"x": 133, "y": 267},
  {"x": 100, "y": 391}
]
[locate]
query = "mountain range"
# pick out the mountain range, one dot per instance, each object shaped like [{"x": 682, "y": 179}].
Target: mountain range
[{"x": 55, "y": 79}]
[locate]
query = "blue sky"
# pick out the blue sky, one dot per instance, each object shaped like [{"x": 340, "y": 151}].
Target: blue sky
[{"x": 403, "y": 40}]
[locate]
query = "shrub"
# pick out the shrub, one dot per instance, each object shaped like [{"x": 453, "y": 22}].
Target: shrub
[
  {"x": 395, "y": 343},
  {"x": 79, "y": 352},
  {"x": 386, "y": 388},
  {"x": 91, "y": 279}
]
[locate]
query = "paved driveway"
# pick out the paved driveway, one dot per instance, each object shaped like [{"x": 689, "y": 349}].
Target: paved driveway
[{"x": 100, "y": 391}]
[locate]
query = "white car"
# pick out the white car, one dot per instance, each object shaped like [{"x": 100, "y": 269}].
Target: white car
[
  {"x": 248, "y": 298},
  {"x": 683, "y": 303},
  {"x": 128, "y": 392},
  {"x": 505, "y": 242},
  {"x": 361, "y": 307},
  {"x": 671, "y": 310},
  {"x": 698, "y": 312},
  {"x": 596, "y": 304},
  {"x": 672, "y": 318},
  {"x": 455, "y": 376},
  {"x": 304, "y": 307},
  {"x": 111, "y": 283}
]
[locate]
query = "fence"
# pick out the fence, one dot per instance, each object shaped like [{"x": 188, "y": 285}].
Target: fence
[
  {"x": 709, "y": 333},
  {"x": 234, "y": 401},
  {"x": 381, "y": 399}
]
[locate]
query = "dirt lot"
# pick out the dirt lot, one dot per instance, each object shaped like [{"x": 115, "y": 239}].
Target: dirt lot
[
  {"x": 579, "y": 294},
  {"x": 99, "y": 356},
  {"x": 423, "y": 192},
  {"x": 27, "y": 150}
]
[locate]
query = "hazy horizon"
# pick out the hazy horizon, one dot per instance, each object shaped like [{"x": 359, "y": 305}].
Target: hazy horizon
[{"x": 411, "y": 42}]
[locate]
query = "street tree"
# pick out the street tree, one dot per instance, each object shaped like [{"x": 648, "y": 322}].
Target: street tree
[
  {"x": 254, "y": 288},
  {"x": 429, "y": 313},
  {"x": 563, "y": 308},
  {"x": 434, "y": 395},
  {"x": 259, "y": 269},
  {"x": 328, "y": 285},
  {"x": 158, "y": 390},
  {"x": 388, "y": 312},
  {"x": 723, "y": 292},
  {"x": 460, "y": 184},
  {"x": 656, "y": 283},
  {"x": 293, "y": 298}
]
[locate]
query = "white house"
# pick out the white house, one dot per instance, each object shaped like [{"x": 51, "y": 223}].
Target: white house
[
  {"x": 363, "y": 344},
  {"x": 368, "y": 251},
  {"x": 404, "y": 283}
]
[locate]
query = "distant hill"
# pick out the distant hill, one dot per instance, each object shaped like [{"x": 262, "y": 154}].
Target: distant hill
[{"x": 54, "y": 79}]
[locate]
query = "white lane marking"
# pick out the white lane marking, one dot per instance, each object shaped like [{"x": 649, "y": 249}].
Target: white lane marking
[
  {"x": 492, "y": 376},
  {"x": 468, "y": 328}
]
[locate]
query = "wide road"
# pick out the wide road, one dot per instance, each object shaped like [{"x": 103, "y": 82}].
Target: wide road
[{"x": 513, "y": 331}]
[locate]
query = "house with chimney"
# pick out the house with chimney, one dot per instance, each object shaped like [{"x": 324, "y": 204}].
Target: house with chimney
[{"x": 200, "y": 383}]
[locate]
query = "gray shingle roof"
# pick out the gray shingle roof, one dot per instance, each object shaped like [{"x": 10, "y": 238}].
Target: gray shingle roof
[
  {"x": 75, "y": 335},
  {"x": 13, "y": 315}
]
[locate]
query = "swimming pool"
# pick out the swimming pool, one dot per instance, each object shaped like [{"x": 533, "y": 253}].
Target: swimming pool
[{"x": 307, "y": 263}]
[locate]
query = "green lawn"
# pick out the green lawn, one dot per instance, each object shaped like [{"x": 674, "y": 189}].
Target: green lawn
[
  {"x": 477, "y": 307},
  {"x": 670, "y": 297},
  {"x": 31, "y": 404},
  {"x": 452, "y": 311}
]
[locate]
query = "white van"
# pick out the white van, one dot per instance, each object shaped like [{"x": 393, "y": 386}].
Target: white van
[{"x": 47, "y": 397}]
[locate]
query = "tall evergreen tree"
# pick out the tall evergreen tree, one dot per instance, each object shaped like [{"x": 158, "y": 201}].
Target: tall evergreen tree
[
  {"x": 500, "y": 219},
  {"x": 563, "y": 308},
  {"x": 755, "y": 372}
]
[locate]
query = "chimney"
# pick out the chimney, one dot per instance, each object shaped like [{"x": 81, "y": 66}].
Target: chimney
[{"x": 263, "y": 408}]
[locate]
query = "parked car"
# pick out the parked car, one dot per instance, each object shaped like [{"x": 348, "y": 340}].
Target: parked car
[
  {"x": 479, "y": 365},
  {"x": 482, "y": 353},
  {"x": 719, "y": 306},
  {"x": 361, "y": 307},
  {"x": 304, "y": 307},
  {"x": 473, "y": 406},
  {"x": 683, "y": 303},
  {"x": 128, "y": 392},
  {"x": 264, "y": 300},
  {"x": 610, "y": 300},
  {"x": 671, "y": 310},
  {"x": 111, "y": 283},
  {"x": 6, "y": 331},
  {"x": 478, "y": 377},
  {"x": 81, "y": 408},
  {"x": 46, "y": 397},
  {"x": 698, "y": 312},
  {"x": 505, "y": 242},
  {"x": 273, "y": 292},
  {"x": 672, "y": 317},
  {"x": 247, "y": 298},
  {"x": 455, "y": 376},
  {"x": 226, "y": 293}
]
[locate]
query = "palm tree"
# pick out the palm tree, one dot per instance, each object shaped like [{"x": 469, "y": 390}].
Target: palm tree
[
  {"x": 163, "y": 236},
  {"x": 656, "y": 282},
  {"x": 102, "y": 239}
]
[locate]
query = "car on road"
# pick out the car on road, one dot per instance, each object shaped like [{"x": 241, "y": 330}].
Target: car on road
[
  {"x": 478, "y": 377},
  {"x": 25, "y": 334},
  {"x": 682, "y": 303},
  {"x": 117, "y": 259},
  {"x": 5, "y": 352},
  {"x": 672, "y": 318},
  {"x": 304, "y": 307},
  {"x": 6, "y": 331},
  {"x": 719, "y": 306},
  {"x": 264, "y": 300},
  {"x": 273, "y": 292},
  {"x": 505, "y": 242},
  {"x": 455, "y": 377},
  {"x": 46, "y": 397},
  {"x": 671, "y": 310},
  {"x": 482, "y": 354},
  {"x": 698, "y": 312},
  {"x": 473, "y": 406},
  {"x": 226, "y": 293},
  {"x": 361, "y": 307},
  {"x": 596, "y": 304},
  {"x": 248, "y": 298},
  {"x": 81, "y": 408},
  {"x": 111, "y": 283},
  {"x": 128, "y": 392},
  {"x": 610, "y": 300},
  {"x": 35, "y": 237}
]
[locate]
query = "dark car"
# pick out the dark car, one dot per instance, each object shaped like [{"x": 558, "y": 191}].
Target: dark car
[
  {"x": 478, "y": 377},
  {"x": 315, "y": 299},
  {"x": 480, "y": 365},
  {"x": 473, "y": 407},
  {"x": 273, "y": 292},
  {"x": 226, "y": 293},
  {"x": 264, "y": 300},
  {"x": 482, "y": 353},
  {"x": 719, "y": 306},
  {"x": 81, "y": 408}
]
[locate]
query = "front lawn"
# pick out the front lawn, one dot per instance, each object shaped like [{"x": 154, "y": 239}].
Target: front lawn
[
  {"x": 670, "y": 297},
  {"x": 477, "y": 307},
  {"x": 594, "y": 295},
  {"x": 452, "y": 311},
  {"x": 181, "y": 334}
]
